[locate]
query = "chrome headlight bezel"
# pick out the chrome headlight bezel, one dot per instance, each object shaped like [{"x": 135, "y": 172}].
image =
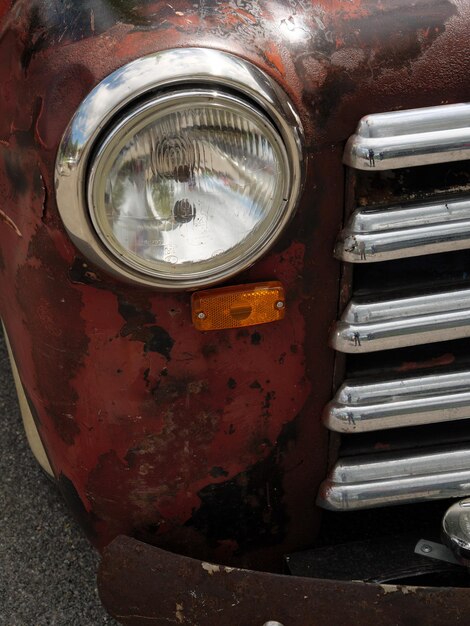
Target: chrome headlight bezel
[{"x": 180, "y": 71}]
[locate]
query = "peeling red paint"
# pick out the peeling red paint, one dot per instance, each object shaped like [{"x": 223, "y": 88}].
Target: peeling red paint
[{"x": 135, "y": 406}]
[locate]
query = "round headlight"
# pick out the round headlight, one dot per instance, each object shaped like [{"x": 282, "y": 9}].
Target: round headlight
[
  {"x": 189, "y": 186},
  {"x": 184, "y": 187}
]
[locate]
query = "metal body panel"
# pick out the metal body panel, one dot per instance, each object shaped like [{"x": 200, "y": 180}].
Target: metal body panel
[
  {"x": 208, "y": 444},
  {"x": 140, "y": 585}
]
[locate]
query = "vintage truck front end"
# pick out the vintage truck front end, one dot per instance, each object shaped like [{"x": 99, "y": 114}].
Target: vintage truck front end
[{"x": 234, "y": 278}]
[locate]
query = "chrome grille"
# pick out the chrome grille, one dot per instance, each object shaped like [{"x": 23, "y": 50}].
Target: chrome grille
[
  {"x": 381, "y": 321},
  {"x": 397, "y": 402},
  {"x": 369, "y": 325},
  {"x": 397, "y": 478},
  {"x": 396, "y": 232},
  {"x": 410, "y": 138}
]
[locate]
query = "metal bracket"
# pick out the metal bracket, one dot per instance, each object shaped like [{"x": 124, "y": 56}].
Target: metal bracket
[{"x": 435, "y": 551}]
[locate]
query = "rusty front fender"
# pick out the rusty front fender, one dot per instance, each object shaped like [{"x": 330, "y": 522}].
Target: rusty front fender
[{"x": 140, "y": 584}]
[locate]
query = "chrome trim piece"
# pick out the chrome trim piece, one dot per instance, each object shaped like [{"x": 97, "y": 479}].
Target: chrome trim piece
[
  {"x": 383, "y": 234},
  {"x": 410, "y": 138},
  {"x": 382, "y": 404},
  {"x": 387, "y": 141},
  {"x": 369, "y": 325},
  {"x": 386, "y": 479},
  {"x": 178, "y": 68},
  {"x": 456, "y": 530}
]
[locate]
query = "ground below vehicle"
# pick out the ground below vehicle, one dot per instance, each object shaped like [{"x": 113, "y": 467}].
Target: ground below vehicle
[{"x": 211, "y": 444}]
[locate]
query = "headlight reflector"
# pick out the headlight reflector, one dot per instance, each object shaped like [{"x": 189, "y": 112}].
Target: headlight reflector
[{"x": 189, "y": 185}]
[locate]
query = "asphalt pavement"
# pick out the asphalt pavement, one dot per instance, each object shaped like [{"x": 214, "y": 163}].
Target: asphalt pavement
[{"x": 47, "y": 567}]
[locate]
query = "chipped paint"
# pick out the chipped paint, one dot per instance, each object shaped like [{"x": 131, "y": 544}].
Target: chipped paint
[
  {"x": 139, "y": 582},
  {"x": 155, "y": 429},
  {"x": 210, "y": 568},
  {"x": 10, "y": 223},
  {"x": 403, "y": 589},
  {"x": 179, "y": 613}
]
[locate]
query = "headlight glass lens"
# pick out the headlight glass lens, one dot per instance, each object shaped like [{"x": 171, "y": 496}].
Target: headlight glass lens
[{"x": 189, "y": 184}]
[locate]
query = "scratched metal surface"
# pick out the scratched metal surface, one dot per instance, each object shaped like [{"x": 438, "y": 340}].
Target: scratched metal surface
[
  {"x": 47, "y": 567},
  {"x": 144, "y": 586},
  {"x": 210, "y": 445}
]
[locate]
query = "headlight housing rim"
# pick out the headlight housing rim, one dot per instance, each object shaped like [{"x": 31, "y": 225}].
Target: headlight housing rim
[{"x": 135, "y": 82}]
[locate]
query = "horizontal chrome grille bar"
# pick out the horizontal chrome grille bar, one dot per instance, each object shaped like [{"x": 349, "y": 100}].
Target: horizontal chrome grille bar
[
  {"x": 371, "y": 325},
  {"x": 370, "y": 481},
  {"x": 410, "y": 138},
  {"x": 397, "y": 232},
  {"x": 382, "y": 404}
]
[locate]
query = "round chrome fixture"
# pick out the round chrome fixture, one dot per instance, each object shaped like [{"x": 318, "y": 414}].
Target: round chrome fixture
[
  {"x": 180, "y": 169},
  {"x": 189, "y": 186},
  {"x": 456, "y": 530}
]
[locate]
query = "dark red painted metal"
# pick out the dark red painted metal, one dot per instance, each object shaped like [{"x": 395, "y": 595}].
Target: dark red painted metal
[
  {"x": 142, "y": 585},
  {"x": 208, "y": 444}
]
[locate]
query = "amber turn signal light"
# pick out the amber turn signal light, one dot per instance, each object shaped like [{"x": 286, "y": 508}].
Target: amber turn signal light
[{"x": 234, "y": 307}]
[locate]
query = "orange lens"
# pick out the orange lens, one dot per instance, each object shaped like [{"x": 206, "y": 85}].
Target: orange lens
[{"x": 234, "y": 307}]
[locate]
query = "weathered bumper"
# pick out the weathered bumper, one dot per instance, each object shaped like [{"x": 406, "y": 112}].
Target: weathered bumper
[{"x": 140, "y": 584}]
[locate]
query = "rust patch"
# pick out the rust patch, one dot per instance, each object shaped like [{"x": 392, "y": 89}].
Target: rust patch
[
  {"x": 59, "y": 344},
  {"x": 138, "y": 328},
  {"x": 69, "y": 493},
  {"x": 409, "y": 366},
  {"x": 136, "y": 409},
  {"x": 140, "y": 585}
]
